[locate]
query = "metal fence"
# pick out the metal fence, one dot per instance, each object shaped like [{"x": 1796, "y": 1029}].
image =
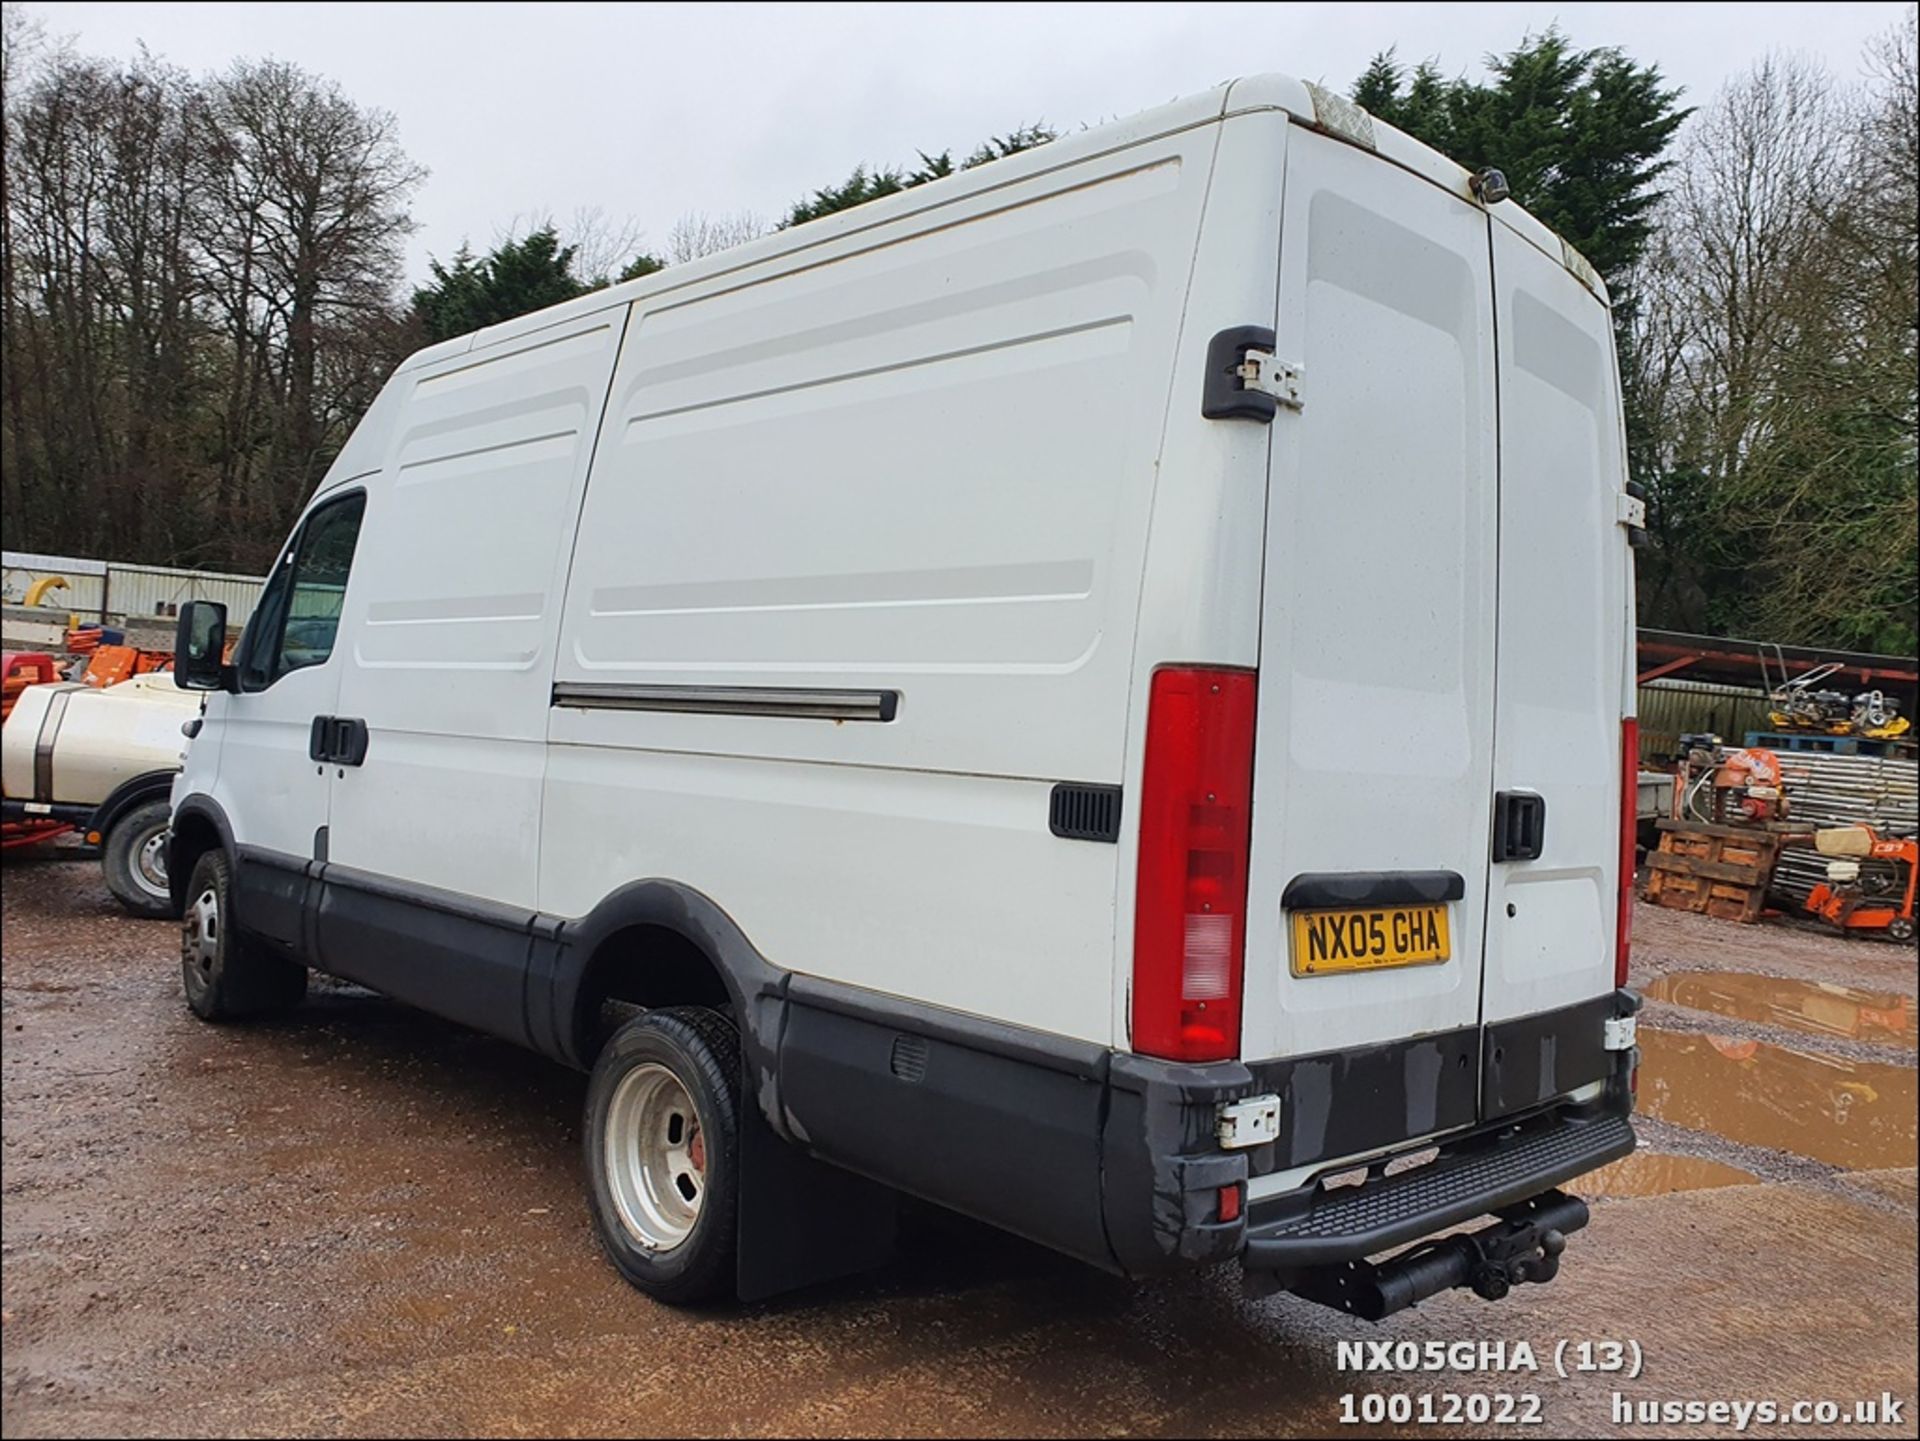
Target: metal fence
[{"x": 111, "y": 590}]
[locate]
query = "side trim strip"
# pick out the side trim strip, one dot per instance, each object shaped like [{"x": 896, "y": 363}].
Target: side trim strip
[
  {"x": 1322, "y": 889},
  {"x": 43, "y": 743},
  {"x": 839, "y": 705}
]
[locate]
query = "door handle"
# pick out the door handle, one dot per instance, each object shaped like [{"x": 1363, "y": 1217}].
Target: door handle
[
  {"x": 337, "y": 740},
  {"x": 1519, "y": 826}
]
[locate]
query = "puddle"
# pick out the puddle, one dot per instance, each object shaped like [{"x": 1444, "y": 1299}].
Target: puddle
[
  {"x": 1816, "y": 1009},
  {"x": 1646, "y": 1174},
  {"x": 1856, "y": 1114}
]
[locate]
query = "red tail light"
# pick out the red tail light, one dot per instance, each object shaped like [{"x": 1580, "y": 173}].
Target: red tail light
[
  {"x": 1629, "y": 828},
  {"x": 1190, "y": 913}
]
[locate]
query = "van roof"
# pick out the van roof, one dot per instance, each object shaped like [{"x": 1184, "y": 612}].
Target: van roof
[{"x": 1308, "y": 103}]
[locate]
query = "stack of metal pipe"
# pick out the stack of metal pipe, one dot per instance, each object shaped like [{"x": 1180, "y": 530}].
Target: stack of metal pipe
[{"x": 1836, "y": 790}]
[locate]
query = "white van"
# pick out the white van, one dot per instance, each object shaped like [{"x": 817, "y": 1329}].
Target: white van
[{"x": 1095, "y": 692}]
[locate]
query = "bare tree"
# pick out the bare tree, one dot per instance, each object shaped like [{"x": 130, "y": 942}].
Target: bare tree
[
  {"x": 198, "y": 298},
  {"x": 602, "y": 246},
  {"x": 697, "y": 233},
  {"x": 309, "y": 214},
  {"x": 1776, "y": 357}
]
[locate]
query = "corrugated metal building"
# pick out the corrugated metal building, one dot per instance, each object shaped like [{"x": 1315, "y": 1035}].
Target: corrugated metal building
[
  {"x": 152, "y": 590},
  {"x": 86, "y": 581},
  {"x": 1670, "y": 709},
  {"x": 103, "y": 589}
]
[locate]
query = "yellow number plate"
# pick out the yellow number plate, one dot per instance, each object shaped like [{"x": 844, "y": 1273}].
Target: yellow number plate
[{"x": 1328, "y": 942}]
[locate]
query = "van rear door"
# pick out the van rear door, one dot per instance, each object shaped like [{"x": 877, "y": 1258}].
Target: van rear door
[
  {"x": 1374, "y": 758},
  {"x": 1564, "y": 635}
]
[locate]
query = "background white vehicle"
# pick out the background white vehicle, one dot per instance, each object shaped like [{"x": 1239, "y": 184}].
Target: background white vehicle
[
  {"x": 1096, "y": 692},
  {"x": 103, "y": 758}
]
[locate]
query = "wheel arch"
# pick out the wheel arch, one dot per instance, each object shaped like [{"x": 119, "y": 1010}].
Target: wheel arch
[
  {"x": 132, "y": 792},
  {"x": 199, "y": 826},
  {"x": 657, "y": 942}
]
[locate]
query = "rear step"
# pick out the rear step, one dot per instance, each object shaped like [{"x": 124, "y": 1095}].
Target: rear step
[{"x": 1492, "y": 1174}]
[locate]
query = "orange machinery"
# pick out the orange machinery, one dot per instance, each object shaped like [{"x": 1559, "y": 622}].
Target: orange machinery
[{"x": 1844, "y": 901}]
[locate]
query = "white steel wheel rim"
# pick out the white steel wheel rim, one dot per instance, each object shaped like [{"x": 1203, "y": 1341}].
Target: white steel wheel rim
[
  {"x": 655, "y": 1157},
  {"x": 202, "y": 939},
  {"x": 150, "y": 862}
]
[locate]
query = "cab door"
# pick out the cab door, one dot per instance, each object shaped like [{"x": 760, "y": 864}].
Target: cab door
[{"x": 273, "y": 789}]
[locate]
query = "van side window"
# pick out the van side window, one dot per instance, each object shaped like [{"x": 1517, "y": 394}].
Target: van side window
[
  {"x": 260, "y": 636},
  {"x": 299, "y": 612}
]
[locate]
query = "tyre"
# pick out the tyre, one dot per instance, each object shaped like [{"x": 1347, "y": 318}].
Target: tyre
[
  {"x": 227, "y": 977},
  {"x": 662, "y": 1138},
  {"x": 1900, "y": 928},
  {"x": 134, "y": 857}
]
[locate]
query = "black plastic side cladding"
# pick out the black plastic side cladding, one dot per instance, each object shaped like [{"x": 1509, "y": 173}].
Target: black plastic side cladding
[
  {"x": 458, "y": 956},
  {"x": 1224, "y": 397},
  {"x": 992, "y": 1121}
]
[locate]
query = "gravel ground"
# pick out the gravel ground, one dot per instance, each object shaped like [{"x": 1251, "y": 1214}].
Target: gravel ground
[{"x": 362, "y": 1221}]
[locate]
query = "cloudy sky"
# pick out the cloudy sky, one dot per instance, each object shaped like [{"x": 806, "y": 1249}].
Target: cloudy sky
[{"x": 647, "y": 112}]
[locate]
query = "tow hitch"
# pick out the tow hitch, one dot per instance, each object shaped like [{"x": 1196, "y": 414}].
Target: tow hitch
[{"x": 1524, "y": 1245}]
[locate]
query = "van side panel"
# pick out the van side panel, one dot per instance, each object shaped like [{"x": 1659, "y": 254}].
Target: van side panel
[
  {"x": 452, "y": 614},
  {"x": 920, "y": 468},
  {"x": 1200, "y": 581}
]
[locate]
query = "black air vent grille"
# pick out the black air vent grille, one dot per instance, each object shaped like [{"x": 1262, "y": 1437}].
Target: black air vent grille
[
  {"x": 909, "y": 1059},
  {"x": 1085, "y": 813}
]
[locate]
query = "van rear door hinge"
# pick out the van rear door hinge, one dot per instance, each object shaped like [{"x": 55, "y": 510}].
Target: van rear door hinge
[
  {"x": 1269, "y": 375},
  {"x": 1632, "y": 511},
  {"x": 1621, "y": 1033},
  {"x": 1246, "y": 380}
]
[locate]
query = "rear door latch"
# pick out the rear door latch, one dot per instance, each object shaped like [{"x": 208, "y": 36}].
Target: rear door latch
[{"x": 1251, "y": 1122}]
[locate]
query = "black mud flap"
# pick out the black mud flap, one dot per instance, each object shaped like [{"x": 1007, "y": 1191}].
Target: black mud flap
[
  {"x": 803, "y": 1221},
  {"x": 1523, "y": 1246}
]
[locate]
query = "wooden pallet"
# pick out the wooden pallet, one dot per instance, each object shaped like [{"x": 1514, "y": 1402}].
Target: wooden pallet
[{"x": 1719, "y": 871}]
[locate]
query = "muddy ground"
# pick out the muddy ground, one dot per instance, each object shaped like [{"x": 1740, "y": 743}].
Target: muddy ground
[{"x": 360, "y": 1221}]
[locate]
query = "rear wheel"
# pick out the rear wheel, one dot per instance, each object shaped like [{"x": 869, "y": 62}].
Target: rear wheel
[
  {"x": 662, "y": 1139},
  {"x": 134, "y": 857},
  {"x": 226, "y": 976}
]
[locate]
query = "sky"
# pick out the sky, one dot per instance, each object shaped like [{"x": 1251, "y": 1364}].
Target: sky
[{"x": 645, "y": 113}]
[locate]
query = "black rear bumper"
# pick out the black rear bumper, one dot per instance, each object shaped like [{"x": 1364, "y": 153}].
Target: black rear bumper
[
  {"x": 1115, "y": 1158},
  {"x": 1483, "y": 1173}
]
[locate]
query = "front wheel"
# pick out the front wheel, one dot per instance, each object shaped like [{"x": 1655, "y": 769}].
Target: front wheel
[
  {"x": 662, "y": 1140},
  {"x": 134, "y": 857},
  {"x": 225, "y": 975}
]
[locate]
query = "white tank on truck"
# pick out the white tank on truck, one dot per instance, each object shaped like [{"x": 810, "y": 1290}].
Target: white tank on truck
[{"x": 103, "y": 759}]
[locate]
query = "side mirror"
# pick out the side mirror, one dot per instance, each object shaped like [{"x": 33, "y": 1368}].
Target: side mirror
[{"x": 199, "y": 642}]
